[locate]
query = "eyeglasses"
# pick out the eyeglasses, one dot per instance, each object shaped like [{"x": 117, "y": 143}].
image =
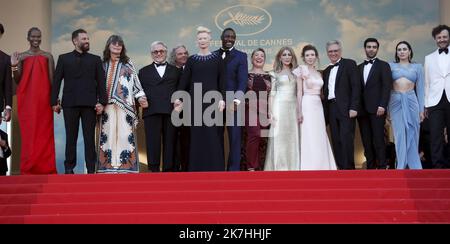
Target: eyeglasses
[{"x": 159, "y": 51}]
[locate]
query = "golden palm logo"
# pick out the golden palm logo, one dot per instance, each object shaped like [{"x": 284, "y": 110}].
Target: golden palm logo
[{"x": 247, "y": 20}]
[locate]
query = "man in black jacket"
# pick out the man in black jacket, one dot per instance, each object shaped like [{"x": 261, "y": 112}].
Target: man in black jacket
[
  {"x": 376, "y": 84},
  {"x": 5, "y": 82},
  {"x": 342, "y": 91},
  {"x": 178, "y": 57},
  {"x": 84, "y": 96},
  {"x": 159, "y": 81}
]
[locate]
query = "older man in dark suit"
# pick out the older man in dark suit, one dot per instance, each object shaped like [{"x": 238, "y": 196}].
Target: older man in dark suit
[
  {"x": 159, "y": 81},
  {"x": 342, "y": 90}
]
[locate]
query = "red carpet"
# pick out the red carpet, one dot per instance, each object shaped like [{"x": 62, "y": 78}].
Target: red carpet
[{"x": 229, "y": 198}]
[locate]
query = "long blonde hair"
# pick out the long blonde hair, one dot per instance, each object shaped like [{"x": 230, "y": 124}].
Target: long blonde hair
[{"x": 278, "y": 65}]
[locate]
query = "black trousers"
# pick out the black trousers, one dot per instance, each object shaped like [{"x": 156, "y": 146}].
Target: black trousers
[
  {"x": 371, "y": 128},
  {"x": 3, "y": 166},
  {"x": 72, "y": 123},
  {"x": 439, "y": 118},
  {"x": 425, "y": 144},
  {"x": 181, "y": 157},
  {"x": 342, "y": 136},
  {"x": 158, "y": 125}
]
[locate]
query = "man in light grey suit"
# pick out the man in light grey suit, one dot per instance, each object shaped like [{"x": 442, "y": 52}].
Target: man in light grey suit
[{"x": 437, "y": 95}]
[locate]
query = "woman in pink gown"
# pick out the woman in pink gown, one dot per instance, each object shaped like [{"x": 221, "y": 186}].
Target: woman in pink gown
[{"x": 315, "y": 145}]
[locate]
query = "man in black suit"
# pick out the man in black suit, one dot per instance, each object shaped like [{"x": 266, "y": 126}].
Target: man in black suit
[
  {"x": 5, "y": 152},
  {"x": 159, "y": 81},
  {"x": 5, "y": 99},
  {"x": 178, "y": 57},
  {"x": 342, "y": 90},
  {"x": 84, "y": 96},
  {"x": 376, "y": 84},
  {"x": 5, "y": 82}
]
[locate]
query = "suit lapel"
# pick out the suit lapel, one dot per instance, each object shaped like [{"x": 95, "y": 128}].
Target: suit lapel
[
  {"x": 374, "y": 66},
  {"x": 435, "y": 60},
  {"x": 361, "y": 74},
  {"x": 447, "y": 72},
  {"x": 158, "y": 78},
  {"x": 230, "y": 56},
  {"x": 339, "y": 73},
  {"x": 326, "y": 77},
  {"x": 1, "y": 58},
  {"x": 165, "y": 72}
]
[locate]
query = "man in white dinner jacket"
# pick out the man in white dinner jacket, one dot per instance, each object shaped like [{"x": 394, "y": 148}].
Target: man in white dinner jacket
[{"x": 437, "y": 95}]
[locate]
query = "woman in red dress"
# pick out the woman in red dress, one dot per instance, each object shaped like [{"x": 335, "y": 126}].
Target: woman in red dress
[
  {"x": 33, "y": 72},
  {"x": 259, "y": 81}
]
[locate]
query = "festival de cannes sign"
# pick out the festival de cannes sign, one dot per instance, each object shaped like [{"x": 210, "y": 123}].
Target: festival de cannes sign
[{"x": 247, "y": 20}]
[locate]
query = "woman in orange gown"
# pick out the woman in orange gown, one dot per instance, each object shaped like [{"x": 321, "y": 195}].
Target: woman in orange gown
[{"x": 33, "y": 71}]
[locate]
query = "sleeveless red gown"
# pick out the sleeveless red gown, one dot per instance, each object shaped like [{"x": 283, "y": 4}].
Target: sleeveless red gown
[{"x": 36, "y": 118}]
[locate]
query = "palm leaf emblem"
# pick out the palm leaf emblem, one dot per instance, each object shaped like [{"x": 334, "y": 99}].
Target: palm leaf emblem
[{"x": 243, "y": 19}]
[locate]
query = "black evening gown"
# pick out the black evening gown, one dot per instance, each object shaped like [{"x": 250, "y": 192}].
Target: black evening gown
[{"x": 206, "y": 149}]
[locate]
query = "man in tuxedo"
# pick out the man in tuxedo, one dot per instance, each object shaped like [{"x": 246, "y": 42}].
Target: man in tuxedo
[
  {"x": 178, "y": 57},
  {"x": 236, "y": 72},
  {"x": 437, "y": 94},
  {"x": 5, "y": 99},
  {"x": 84, "y": 97},
  {"x": 5, "y": 82},
  {"x": 342, "y": 91},
  {"x": 376, "y": 84},
  {"x": 159, "y": 81}
]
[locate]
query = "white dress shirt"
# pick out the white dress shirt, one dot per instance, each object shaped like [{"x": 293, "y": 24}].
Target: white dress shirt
[
  {"x": 224, "y": 54},
  {"x": 161, "y": 70},
  {"x": 332, "y": 81},
  {"x": 367, "y": 69}
]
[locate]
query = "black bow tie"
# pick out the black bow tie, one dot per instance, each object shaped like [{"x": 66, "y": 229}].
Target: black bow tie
[
  {"x": 161, "y": 64},
  {"x": 366, "y": 62},
  {"x": 335, "y": 65},
  {"x": 445, "y": 50}
]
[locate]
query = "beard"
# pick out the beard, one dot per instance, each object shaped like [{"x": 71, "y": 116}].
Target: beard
[{"x": 85, "y": 47}]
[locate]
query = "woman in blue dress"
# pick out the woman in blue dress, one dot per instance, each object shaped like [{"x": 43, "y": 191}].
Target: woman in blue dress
[{"x": 406, "y": 107}]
